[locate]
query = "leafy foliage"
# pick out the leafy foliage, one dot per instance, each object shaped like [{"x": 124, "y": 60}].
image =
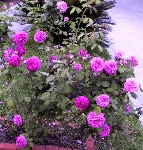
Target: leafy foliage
[{"x": 48, "y": 95}]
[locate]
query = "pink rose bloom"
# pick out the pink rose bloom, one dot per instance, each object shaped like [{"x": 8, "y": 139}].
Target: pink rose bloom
[
  {"x": 33, "y": 63},
  {"x": 81, "y": 102},
  {"x": 7, "y": 54},
  {"x": 128, "y": 109},
  {"x": 11, "y": 4},
  {"x": 105, "y": 131},
  {"x": 66, "y": 18},
  {"x": 70, "y": 56},
  {"x": 123, "y": 61},
  {"x": 40, "y": 36},
  {"x": 83, "y": 54},
  {"x": 110, "y": 67},
  {"x": 21, "y": 141},
  {"x": 17, "y": 119},
  {"x": 62, "y": 6},
  {"x": 119, "y": 55},
  {"x": 21, "y": 50},
  {"x": 95, "y": 120},
  {"x": 103, "y": 100},
  {"x": 4, "y": 7},
  {"x": 14, "y": 60},
  {"x": 77, "y": 67},
  {"x": 133, "y": 61},
  {"x": 20, "y": 38},
  {"x": 131, "y": 85},
  {"x": 53, "y": 58},
  {"x": 97, "y": 64}
]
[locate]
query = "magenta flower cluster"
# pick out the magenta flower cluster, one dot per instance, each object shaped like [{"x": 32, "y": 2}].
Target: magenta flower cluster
[
  {"x": 110, "y": 67},
  {"x": 33, "y": 64},
  {"x": 7, "y": 54},
  {"x": 96, "y": 64},
  {"x": 128, "y": 109},
  {"x": 17, "y": 119},
  {"x": 131, "y": 85},
  {"x": 14, "y": 56},
  {"x": 53, "y": 58},
  {"x": 20, "y": 38},
  {"x": 70, "y": 56},
  {"x": 105, "y": 131},
  {"x": 66, "y": 18},
  {"x": 40, "y": 36},
  {"x": 123, "y": 61},
  {"x": 81, "y": 102},
  {"x": 77, "y": 66},
  {"x": 14, "y": 60},
  {"x": 20, "y": 50},
  {"x": 119, "y": 55},
  {"x": 62, "y": 6},
  {"x": 4, "y": 7},
  {"x": 83, "y": 54},
  {"x": 95, "y": 120},
  {"x": 133, "y": 61},
  {"x": 21, "y": 141},
  {"x": 103, "y": 100}
]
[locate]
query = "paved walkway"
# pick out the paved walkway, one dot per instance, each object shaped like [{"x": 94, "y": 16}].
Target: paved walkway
[{"x": 127, "y": 35}]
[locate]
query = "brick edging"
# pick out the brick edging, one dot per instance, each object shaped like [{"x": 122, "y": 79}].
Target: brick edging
[{"x": 8, "y": 146}]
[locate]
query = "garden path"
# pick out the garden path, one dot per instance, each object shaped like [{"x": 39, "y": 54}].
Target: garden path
[{"x": 127, "y": 36}]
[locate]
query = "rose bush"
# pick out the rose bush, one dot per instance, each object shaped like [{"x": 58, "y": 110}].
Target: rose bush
[{"x": 72, "y": 82}]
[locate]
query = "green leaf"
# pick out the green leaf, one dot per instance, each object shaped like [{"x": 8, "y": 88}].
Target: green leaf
[
  {"x": 86, "y": 39},
  {"x": 98, "y": 83},
  {"x": 44, "y": 73},
  {"x": 99, "y": 129},
  {"x": 10, "y": 103},
  {"x": 114, "y": 106},
  {"x": 90, "y": 2},
  {"x": 75, "y": 48},
  {"x": 73, "y": 9},
  {"x": 47, "y": 102},
  {"x": 85, "y": 20},
  {"x": 134, "y": 95},
  {"x": 105, "y": 83},
  {"x": 93, "y": 46},
  {"x": 27, "y": 99},
  {"x": 50, "y": 78},
  {"x": 100, "y": 48},
  {"x": 116, "y": 92},
  {"x": 63, "y": 105},
  {"x": 110, "y": 90},
  {"x": 45, "y": 96},
  {"x": 97, "y": 109},
  {"x": 63, "y": 73},
  {"x": 79, "y": 76},
  {"x": 5, "y": 71},
  {"x": 72, "y": 26},
  {"x": 68, "y": 75},
  {"x": 113, "y": 135},
  {"x": 78, "y": 10},
  {"x": 67, "y": 89},
  {"x": 95, "y": 10},
  {"x": 31, "y": 144},
  {"x": 114, "y": 86}
]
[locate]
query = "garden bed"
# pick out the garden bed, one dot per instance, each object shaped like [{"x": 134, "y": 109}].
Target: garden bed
[{"x": 53, "y": 142}]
